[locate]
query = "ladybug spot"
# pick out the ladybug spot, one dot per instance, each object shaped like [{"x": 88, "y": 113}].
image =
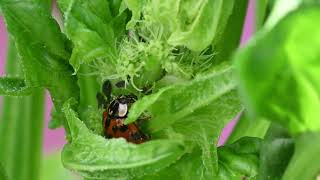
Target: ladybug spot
[
  {"x": 108, "y": 136},
  {"x": 124, "y": 128},
  {"x": 136, "y": 136},
  {"x": 114, "y": 128}
]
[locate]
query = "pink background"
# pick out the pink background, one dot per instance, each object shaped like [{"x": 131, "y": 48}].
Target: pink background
[{"x": 54, "y": 139}]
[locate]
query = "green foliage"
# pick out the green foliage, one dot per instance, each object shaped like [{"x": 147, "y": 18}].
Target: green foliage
[
  {"x": 173, "y": 55},
  {"x": 282, "y": 84},
  {"x": 240, "y": 159},
  {"x": 229, "y": 32},
  {"x": 92, "y": 28},
  {"x": 248, "y": 127},
  {"x": 165, "y": 28},
  {"x": 194, "y": 24},
  {"x": 42, "y": 48},
  {"x": 161, "y": 49},
  {"x": 278, "y": 74},
  {"x": 193, "y": 108}
]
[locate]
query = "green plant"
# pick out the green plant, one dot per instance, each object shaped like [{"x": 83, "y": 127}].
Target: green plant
[{"x": 175, "y": 57}]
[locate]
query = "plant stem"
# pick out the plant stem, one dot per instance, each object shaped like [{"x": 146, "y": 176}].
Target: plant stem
[
  {"x": 88, "y": 88},
  {"x": 21, "y": 128}
]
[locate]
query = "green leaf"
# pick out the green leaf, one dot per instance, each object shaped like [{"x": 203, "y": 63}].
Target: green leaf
[
  {"x": 193, "y": 108},
  {"x": 247, "y": 127},
  {"x": 240, "y": 159},
  {"x": 305, "y": 161},
  {"x": 194, "y": 24},
  {"x": 199, "y": 22},
  {"x": 189, "y": 167},
  {"x": 229, "y": 33},
  {"x": 10, "y": 86},
  {"x": 41, "y": 29},
  {"x": 89, "y": 25},
  {"x": 178, "y": 101},
  {"x": 279, "y": 73},
  {"x": 135, "y": 7},
  {"x": 93, "y": 156},
  {"x": 42, "y": 49},
  {"x": 276, "y": 152}
]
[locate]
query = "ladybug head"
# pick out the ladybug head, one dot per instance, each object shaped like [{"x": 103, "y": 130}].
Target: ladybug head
[{"x": 119, "y": 107}]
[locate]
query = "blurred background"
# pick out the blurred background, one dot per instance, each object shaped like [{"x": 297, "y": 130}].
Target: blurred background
[{"x": 53, "y": 140}]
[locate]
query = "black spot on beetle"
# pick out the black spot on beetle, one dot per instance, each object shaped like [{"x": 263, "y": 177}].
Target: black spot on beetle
[
  {"x": 108, "y": 136},
  {"x": 136, "y": 136},
  {"x": 114, "y": 128},
  {"x": 124, "y": 128}
]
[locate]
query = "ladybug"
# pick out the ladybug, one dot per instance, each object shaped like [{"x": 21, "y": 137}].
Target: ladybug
[{"x": 115, "y": 114}]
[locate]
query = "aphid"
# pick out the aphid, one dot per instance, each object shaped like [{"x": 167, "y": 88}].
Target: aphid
[{"x": 115, "y": 114}]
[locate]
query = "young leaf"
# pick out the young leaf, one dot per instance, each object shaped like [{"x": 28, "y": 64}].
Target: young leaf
[
  {"x": 13, "y": 87},
  {"x": 90, "y": 27},
  {"x": 178, "y": 101},
  {"x": 193, "y": 108},
  {"x": 248, "y": 127},
  {"x": 199, "y": 21},
  {"x": 93, "y": 156},
  {"x": 194, "y": 24},
  {"x": 240, "y": 159},
  {"x": 135, "y": 7},
  {"x": 279, "y": 73}
]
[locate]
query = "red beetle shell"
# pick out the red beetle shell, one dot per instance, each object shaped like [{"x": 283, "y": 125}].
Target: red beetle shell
[{"x": 114, "y": 128}]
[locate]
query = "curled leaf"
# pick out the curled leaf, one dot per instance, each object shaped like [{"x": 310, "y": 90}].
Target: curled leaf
[
  {"x": 178, "y": 101},
  {"x": 93, "y": 29},
  {"x": 93, "y": 156},
  {"x": 240, "y": 159},
  {"x": 197, "y": 110}
]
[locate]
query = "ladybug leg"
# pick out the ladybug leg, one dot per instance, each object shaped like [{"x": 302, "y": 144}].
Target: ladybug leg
[
  {"x": 121, "y": 84},
  {"x": 132, "y": 98},
  {"x": 106, "y": 89},
  {"x": 102, "y": 102}
]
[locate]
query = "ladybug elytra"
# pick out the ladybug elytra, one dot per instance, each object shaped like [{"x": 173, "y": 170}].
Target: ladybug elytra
[{"x": 115, "y": 114}]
